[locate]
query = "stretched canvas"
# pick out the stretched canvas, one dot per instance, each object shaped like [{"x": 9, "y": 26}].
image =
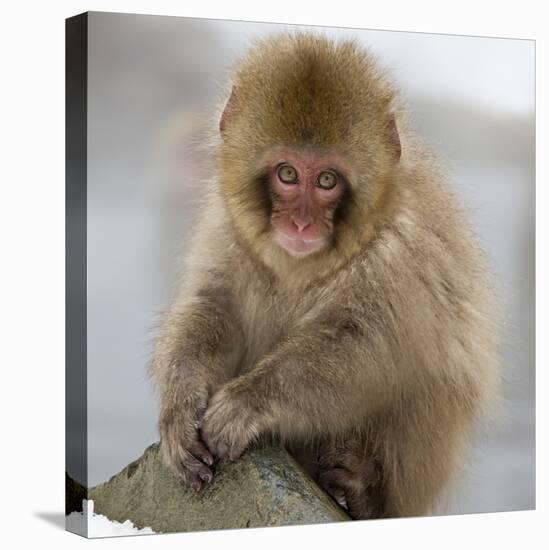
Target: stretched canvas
[{"x": 299, "y": 274}]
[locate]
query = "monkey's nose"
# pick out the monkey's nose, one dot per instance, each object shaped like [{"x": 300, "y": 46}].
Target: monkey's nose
[{"x": 301, "y": 222}]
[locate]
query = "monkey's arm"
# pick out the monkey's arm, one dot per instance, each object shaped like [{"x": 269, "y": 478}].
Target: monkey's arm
[
  {"x": 198, "y": 349},
  {"x": 318, "y": 381}
]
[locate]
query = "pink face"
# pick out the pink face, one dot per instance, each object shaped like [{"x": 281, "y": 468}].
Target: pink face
[{"x": 306, "y": 187}]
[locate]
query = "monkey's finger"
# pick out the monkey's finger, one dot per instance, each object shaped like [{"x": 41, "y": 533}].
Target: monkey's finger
[
  {"x": 338, "y": 478},
  {"x": 197, "y": 469},
  {"x": 199, "y": 450},
  {"x": 234, "y": 453},
  {"x": 193, "y": 481},
  {"x": 357, "y": 504},
  {"x": 220, "y": 449},
  {"x": 337, "y": 493},
  {"x": 340, "y": 459},
  {"x": 214, "y": 442},
  {"x": 187, "y": 477}
]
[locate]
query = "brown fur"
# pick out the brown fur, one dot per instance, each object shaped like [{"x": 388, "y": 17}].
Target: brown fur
[{"x": 372, "y": 358}]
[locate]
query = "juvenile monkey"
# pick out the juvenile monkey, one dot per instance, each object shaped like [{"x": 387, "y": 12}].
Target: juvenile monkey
[{"x": 334, "y": 297}]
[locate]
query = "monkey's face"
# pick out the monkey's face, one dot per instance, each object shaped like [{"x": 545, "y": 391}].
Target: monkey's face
[
  {"x": 308, "y": 146},
  {"x": 306, "y": 187}
]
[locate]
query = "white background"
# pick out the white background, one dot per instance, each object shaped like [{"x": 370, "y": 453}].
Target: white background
[{"x": 32, "y": 290}]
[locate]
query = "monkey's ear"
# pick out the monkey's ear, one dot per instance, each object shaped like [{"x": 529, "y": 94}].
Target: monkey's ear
[
  {"x": 227, "y": 112},
  {"x": 394, "y": 138}
]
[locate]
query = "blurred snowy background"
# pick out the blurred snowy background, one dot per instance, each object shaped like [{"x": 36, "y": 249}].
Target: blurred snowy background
[{"x": 154, "y": 83}]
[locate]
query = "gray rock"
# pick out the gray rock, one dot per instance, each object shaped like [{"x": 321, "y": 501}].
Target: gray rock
[{"x": 265, "y": 487}]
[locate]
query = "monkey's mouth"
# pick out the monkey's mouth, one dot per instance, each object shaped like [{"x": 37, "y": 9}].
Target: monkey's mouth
[{"x": 296, "y": 246}]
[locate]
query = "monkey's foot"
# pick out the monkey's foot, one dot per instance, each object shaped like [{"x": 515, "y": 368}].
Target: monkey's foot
[{"x": 352, "y": 478}]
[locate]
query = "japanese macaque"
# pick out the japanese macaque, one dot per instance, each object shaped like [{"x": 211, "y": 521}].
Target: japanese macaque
[{"x": 334, "y": 297}]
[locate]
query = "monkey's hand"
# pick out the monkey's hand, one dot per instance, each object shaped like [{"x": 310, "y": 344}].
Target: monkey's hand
[
  {"x": 351, "y": 477},
  {"x": 231, "y": 423},
  {"x": 180, "y": 444}
]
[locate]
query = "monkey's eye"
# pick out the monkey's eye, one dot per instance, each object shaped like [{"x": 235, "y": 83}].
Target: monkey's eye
[
  {"x": 287, "y": 174},
  {"x": 326, "y": 180}
]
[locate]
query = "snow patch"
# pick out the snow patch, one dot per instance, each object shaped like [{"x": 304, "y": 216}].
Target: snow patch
[{"x": 91, "y": 525}]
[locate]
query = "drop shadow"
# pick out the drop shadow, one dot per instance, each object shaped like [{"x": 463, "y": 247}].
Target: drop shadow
[{"x": 57, "y": 519}]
